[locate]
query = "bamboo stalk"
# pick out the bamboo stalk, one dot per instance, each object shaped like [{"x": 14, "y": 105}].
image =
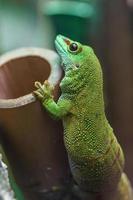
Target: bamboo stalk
[{"x": 31, "y": 139}]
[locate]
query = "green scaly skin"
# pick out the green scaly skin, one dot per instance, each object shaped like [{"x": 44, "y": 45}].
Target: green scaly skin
[{"x": 95, "y": 156}]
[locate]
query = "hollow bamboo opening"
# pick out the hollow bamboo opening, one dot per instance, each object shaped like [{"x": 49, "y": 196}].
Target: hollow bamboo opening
[{"x": 17, "y": 76}]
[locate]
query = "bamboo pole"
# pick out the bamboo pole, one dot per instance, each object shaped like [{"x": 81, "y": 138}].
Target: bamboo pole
[{"x": 31, "y": 139}]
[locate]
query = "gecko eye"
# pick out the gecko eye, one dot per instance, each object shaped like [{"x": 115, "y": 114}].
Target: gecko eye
[{"x": 73, "y": 47}]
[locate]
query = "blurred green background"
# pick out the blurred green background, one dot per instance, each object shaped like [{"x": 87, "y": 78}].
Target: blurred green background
[
  {"x": 36, "y": 23},
  {"x": 107, "y": 26}
]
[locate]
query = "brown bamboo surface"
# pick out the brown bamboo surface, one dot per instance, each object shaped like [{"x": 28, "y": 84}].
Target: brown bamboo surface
[
  {"x": 120, "y": 78},
  {"x": 31, "y": 139}
]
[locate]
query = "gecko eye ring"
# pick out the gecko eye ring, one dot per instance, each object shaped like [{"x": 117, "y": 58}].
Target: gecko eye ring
[{"x": 74, "y": 48}]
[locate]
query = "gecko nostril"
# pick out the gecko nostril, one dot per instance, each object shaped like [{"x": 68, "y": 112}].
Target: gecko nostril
[{"x": 77, "y": 65}]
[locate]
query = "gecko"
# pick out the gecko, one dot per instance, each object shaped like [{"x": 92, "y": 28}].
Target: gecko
[{"x": 95, "y": 156}]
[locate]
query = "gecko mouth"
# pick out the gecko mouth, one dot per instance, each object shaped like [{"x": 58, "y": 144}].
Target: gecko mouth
[
  {"x": 66, "y": 62},
  {"x": 59, "y": 47},
  {"x": 63, "y": 54}
]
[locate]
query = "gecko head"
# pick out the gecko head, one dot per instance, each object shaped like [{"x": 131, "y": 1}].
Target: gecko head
[{"x": 75, "y": 56}]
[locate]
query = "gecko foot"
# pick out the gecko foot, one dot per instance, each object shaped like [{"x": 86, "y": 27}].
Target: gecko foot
[{"x": 44, "y": 91}]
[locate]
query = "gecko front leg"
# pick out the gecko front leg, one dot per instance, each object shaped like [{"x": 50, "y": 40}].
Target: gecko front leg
[{"x": 44, "y": 93}]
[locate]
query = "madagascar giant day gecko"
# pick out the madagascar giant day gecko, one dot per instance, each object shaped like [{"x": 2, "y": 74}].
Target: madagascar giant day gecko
[{"x": 95, "y": 156}]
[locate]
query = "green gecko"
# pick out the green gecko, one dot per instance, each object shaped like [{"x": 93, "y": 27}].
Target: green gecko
[{"x": 95, "y": 156}]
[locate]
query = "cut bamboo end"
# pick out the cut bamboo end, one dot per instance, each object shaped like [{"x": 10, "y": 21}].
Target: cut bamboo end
[{"x": 19, "y": 69}]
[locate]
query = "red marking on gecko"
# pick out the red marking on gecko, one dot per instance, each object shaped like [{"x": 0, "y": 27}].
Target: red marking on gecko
[{"x": 67, "y": 41}]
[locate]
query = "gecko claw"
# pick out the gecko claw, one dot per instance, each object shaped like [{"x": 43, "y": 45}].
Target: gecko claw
[
  {"x": 44, "y": 91},
  {"x": 38, "y": 95},
  {"x": 40, "y": 87},
  {"x": 46, "y": 83},
  {"x": 38, "y": 84},
  {"x": 48, "y": 86}
]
